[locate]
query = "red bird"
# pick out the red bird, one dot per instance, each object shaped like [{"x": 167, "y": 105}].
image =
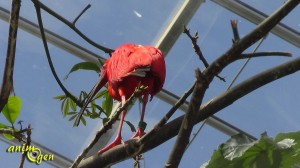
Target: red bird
[{"x": 130, "y": 66}]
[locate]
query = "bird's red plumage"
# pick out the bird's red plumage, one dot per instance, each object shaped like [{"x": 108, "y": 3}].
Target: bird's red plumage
[{"x": 124, "y": 61}]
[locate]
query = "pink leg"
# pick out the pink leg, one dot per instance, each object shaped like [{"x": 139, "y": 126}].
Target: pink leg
[
  {"x": 118, "y": 140},
  {"x": 142, "y": 125}
]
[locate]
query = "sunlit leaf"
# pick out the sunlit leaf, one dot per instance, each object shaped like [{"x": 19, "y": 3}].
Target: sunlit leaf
[
  {"x": 108, "y": 104},
  {"x": 239, "y": 151},
  {"x": 12, "y": 109},
  {"x": 7, "y": 136},
  {"x": 66, "y": 107},
  {"x": 60, "y": 97},
  {"x": 84, "y": 66},
  {"x": 82, "y": 119},
  {"x": 101, "y": 94},
  {"x": 72, "y": 118},
  {"x": 73, "y": 105}
]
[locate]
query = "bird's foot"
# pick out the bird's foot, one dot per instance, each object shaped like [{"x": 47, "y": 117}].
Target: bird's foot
[
  {"x": 138, "y": 134},
  {"x": 117, "y": 141},
  {"x": 140, "y": 131}
]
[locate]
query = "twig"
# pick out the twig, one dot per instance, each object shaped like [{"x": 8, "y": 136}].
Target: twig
[
  {"x": 67, "y": 93},
  {"x": 7, "y": 81},
  {"x": 86, "y": 8},
  {"x": 195, "y": 45},
  {"x": 197, "y": 49},
  {"x": 188, "y": 122},
  {"x": 235, "y": 31},
  {"x": 260, "y": 54},
  {"x": 107, "y": 126},
  {"x": 72, "y": 26},
  {"x": 171, "y": 129},
  {"x": 197, "y": 132},
  {"x": 260, "y": 31},
  {"x": 246, "y": 62},
  {"x": 16, "y": 134},
  {"x": 28, "y": 141}
]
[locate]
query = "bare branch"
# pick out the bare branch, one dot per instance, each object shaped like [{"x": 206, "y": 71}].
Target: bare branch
[
  {"x": 188, "y": 122},
  {"x": 16, "y": 134},
  {"x": 235, "y": 31},
  {"x": 7, "y": 81},
  {"x": 86, "y": 8},
  {"x": 72, "y": 26},
  {"x": 28, "y": 141},
  {"x": 164, "y": 120},
  {"x": 197, "y": 49},
  {"x": 67, "y": 93},
  {"x": 259, "y": 32},
  {"x": 262, "y": 54}
]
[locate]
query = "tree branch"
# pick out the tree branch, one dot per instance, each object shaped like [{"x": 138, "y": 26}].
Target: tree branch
[
  {"x": 7, "y": 81},
  {"x": 72, "y": 26},
  {"x": 171, "y": 129},
  {"x": 28, "y": 141},
  {"x": 259, "y": 32},
  {"x": 188, "y": 122},
  {"x": 164, "y": 120},
  {"x": 67, "y": 93}
]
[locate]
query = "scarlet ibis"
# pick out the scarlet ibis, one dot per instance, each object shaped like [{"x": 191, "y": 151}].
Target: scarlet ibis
[{"x": 130, "y": 66}]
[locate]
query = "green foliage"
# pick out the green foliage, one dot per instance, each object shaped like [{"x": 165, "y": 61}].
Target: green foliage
[
  {"x": 84, "y": 66},
  {"x": 11, "y": 111},
  {"x": 240, "y": 151},
  {"x": 70, "y": 108}
]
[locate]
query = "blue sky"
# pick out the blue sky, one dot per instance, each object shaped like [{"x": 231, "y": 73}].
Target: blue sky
[{"x": 272, "y": 108}]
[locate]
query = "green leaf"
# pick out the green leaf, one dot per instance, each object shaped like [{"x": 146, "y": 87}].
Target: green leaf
[
  {"x": 83, "y": 121},
  {"x": 72, "y": 118},
  {"x": 108, "y": 104},
  {"x": 60, "y": 97},
  {"x": 12, "y": 109},
  {"x": 84, "y": 66},
  {"x": 7, "y": 136},
  {"x": 66, "y": 107},
  {"x": 239, "y": 151},
  {"x": 73, "y": 105}
]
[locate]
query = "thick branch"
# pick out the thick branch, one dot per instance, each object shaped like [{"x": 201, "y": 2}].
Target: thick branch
[
  {"x": 188, "y": 122},
  {"x": 7, "y": 82},
  {"x": 171, "y": 129}
]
